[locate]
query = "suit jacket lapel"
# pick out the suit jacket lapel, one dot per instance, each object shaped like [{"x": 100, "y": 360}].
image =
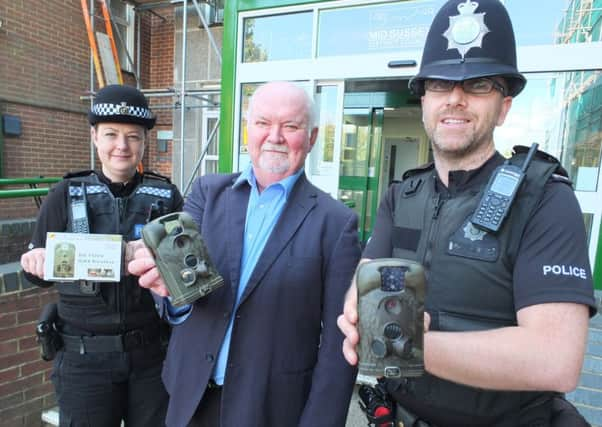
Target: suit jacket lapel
[
  {"x": 301, "y": 201},
  {"x": 237, "y": 202}
]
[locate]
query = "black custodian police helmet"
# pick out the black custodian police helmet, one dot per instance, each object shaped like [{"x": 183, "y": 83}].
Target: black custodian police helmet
[
  {"x": 121, "y": 104},
  {"x": 470, "y": 39}
]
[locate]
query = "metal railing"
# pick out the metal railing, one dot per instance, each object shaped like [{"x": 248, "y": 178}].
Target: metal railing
[{"x": 33, "y": 190}]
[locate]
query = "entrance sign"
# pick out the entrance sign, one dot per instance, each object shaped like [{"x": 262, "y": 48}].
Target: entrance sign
[{"x": 389, "y": 27}]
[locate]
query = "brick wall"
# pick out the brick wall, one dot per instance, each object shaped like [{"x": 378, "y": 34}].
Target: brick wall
[
  {"x": 44, "y": 72},
  {"x": 25, "y": 387},
  {"x": 161, "y": 75},
  {"x": 44, "y": 53},
  {"x": 52, "y": 142}
]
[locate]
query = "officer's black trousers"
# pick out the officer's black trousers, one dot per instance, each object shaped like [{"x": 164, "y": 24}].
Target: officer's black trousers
[{"x": 101, "y": 389}]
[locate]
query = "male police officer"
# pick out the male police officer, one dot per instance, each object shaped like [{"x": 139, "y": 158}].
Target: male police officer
[
  {"x": 109, "y": 367},
  {"x": 507, "y": 316}
]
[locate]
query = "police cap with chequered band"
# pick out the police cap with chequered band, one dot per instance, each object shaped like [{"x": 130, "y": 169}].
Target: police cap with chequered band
[
  {"x": 470, "y": 39},
  {"x": 121, "y": 104}
]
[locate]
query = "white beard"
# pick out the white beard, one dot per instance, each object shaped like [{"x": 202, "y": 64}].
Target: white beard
[{"x": 274, "y": 163}]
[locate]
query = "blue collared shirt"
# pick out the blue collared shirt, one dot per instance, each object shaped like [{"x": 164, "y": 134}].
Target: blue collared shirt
[{"x": 263, "y": 212}]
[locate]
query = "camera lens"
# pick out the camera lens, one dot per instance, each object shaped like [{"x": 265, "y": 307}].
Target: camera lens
[
  {"x": 181, "y": 241},
  {"x": 191, "y": 260},
  {"x": 378, "y": 347},
  {"x": 393, "y": 331},
  {"x": 188, "y": 276},
  {"x": 393, "y": 306}
]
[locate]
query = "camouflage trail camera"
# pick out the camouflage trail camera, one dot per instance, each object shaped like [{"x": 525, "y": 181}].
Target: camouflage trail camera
[
  {"x": 391, "y": 318},
  {"x": 182, "y": 257}
]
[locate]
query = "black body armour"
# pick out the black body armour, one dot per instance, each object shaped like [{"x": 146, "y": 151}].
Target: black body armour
[
  {"x": 112, "y": 308},
  {"x": 469, "y": 282}
]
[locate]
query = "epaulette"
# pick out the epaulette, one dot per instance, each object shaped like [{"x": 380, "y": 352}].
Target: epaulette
[
  {"x": 542, "y": 155},
  {"x": 78, "y": 174},
  {"x": 561, "y": 178},
  {"x": 155, "y": 175},
  {"x": 411, "y": 172},
  {"x": 522, "y": 149}
]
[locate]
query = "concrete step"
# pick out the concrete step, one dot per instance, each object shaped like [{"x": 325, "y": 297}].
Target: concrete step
[{"x": 50, "y": 417}]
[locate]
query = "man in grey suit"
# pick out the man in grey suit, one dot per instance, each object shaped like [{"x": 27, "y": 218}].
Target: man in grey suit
[{"x": 264, "y": 349}]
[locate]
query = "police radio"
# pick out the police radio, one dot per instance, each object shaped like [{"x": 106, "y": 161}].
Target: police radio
[
  {"x": 79, "y": 212},
  {"x": 391, "y": 317},
  {"x": 500, "y": 193}
]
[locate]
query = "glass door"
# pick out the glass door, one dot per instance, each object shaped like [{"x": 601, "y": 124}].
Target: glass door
[
  {"x": 322, "y": 164},
  {"x": 360, "y": 164}
]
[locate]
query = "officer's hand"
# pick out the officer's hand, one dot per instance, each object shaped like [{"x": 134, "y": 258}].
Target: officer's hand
[
  {"x": 348, "y": 325},
  {"x": 143, "y": 265},
  {"x": 427, "y": 322},
  {"x": 33, "y": 262}
]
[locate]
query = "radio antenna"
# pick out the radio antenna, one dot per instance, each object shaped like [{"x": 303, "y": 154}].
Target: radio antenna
[{"x": 530, "y": 155}]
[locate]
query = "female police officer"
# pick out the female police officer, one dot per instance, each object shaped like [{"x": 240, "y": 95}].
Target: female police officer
[{"x": 109, "y": 367}]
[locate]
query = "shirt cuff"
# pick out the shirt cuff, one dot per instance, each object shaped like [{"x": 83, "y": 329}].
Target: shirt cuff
[{"x": 176, "y": 315}]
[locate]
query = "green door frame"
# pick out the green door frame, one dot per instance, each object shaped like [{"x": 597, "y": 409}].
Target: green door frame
[
  {"x": 367, "y": 185},
  {"x": 597, "y": 267},
  {"x": 376, "y": 102}
]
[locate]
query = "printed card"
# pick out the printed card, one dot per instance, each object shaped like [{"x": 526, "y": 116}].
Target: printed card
[{"x": 80, "y": 256}]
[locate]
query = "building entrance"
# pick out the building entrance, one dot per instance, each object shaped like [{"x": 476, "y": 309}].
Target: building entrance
[{"x": 382, "y": 137}]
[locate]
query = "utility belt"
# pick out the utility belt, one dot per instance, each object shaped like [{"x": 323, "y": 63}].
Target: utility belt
[
  {"x": 405, "y": 418},
  {"x": 128, "y": 341},
  {"x": 382, "y": 411},
  {"x": 80, "y": 288}
]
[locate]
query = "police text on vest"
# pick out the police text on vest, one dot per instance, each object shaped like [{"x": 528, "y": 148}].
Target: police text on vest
[{"x": 565, "y": 270}]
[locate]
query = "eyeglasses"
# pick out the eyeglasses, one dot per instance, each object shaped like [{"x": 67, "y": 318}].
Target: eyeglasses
[{"x": 478, "y": 86}]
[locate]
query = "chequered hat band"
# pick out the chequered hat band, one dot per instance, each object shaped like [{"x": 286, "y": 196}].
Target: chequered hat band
[{"x": 103, "y": 109}]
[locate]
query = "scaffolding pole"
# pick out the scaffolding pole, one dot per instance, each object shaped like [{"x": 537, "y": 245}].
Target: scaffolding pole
[
  {"x": 183, "y": 92},
  {"x": 178, "y": 95}
]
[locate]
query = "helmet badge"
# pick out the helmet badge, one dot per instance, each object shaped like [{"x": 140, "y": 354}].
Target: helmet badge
[
  {"x": 467, "y": 29},
  {"x": 124, "y": 109}
]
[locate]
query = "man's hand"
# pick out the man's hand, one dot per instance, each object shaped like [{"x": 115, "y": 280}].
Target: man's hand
[
  {"x": 347, "y": 323},
  {"x": 33, "y": 262},
  {"x": 143, "y": 265}
]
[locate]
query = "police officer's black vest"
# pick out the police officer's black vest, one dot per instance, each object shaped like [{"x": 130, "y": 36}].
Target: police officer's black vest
[
  {"x": 112, "y": 308},
  {"x": 469, "y": 275}
]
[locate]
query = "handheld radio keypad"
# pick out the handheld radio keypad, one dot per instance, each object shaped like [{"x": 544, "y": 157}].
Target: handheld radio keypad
[{"x": 499, "y": 194}]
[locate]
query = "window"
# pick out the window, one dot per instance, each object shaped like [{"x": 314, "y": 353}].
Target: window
[
  {"x": 388, "y": 27},
  {"x": 278, "y": 37},
  {"x": 123, "y": 28},
  {"x": 210, "y": 161},
  {"x": 562, "y": 112}
]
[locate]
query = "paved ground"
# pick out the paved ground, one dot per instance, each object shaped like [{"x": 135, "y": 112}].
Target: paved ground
[{"x": 356, "y": 417}]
